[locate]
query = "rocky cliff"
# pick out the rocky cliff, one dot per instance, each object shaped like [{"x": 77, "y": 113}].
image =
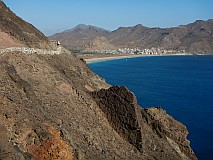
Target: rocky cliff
[
  {"x": 151, "y": 131},
  {"x": 55, "y": 107}
]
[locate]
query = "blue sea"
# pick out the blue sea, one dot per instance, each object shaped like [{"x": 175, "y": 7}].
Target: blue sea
[{"x": 182, "y": 85}]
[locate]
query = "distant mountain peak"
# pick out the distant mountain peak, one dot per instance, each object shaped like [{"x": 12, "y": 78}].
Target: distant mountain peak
[
  {"x": 83, "y": 26},
  {"x": 86, "y": 27},
  {"x": 80, "y": 35},
  {"x": 139, "y": 25}
]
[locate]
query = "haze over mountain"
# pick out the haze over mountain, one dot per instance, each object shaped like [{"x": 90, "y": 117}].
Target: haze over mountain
[
  {"x": 52, "y": 106},
  {"x": 195, "y": 37}
]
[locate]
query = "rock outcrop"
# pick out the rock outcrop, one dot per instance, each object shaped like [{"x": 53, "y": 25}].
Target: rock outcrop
[
  {"x": 55, "y": 107},
  {"x": 151, "y": 131},
  {"x": 171, "y": 135},
  {"x": 122, "y": 112}
]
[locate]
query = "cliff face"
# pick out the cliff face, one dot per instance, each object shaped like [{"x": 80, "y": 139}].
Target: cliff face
[
  {"x": 122, "y": 112},
  {"x": 55, "y": 107},
  {"x": 151, "y": 131},
  {"x": 173, "y": 135}
]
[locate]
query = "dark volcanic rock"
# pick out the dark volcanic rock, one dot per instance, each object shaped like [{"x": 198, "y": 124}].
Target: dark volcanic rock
[{"x": 122, "y": 112}]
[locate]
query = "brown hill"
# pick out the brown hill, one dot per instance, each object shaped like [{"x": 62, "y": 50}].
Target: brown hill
[
  {"x": 14, "y": 31},
  {"x": 196, "y": 37},
  {"x": 51, "y": 107},
  {"x": 55, "y": 107},
  {"x": 79, "y": 36}
]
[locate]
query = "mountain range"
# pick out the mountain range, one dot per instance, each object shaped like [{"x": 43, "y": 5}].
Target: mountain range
[
  {"x": 52, "y": 106},
  {"x": 195, "y": 37}
]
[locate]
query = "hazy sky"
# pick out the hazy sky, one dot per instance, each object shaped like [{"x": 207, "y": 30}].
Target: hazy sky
[{"x": 56, "y": 15}]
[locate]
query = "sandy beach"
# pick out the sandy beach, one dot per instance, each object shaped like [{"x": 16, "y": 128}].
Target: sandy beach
[
  {"x": 100, "y": 59},
  {"x": 108, "y": 58}
]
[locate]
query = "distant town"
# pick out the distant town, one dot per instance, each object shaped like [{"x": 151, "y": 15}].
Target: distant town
[{"x": 136, "y": 51}]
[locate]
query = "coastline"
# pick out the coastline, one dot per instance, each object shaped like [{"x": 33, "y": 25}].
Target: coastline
[
  {"x": 109, "y": 58},
  {"x": 101, "y": 59}
]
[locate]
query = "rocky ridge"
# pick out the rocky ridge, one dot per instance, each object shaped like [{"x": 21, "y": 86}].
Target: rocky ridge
[
  {"x": 196, "y": 38},
  {"x": 55, "y": 107},
  {"x": 80, "y": 36},
  {"x": 193, "y": 38},
  {"x": 15, "y": 32}
]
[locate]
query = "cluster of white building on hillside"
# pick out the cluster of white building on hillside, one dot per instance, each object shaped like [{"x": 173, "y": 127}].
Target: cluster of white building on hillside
[{"x": 152, "y": 51}]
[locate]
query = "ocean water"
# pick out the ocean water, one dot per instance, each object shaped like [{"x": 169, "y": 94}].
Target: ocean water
[{"x": 182, "y": 85}]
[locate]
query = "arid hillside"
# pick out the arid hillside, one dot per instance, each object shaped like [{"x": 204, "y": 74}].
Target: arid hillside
[
  {"x": 195, "y": 38},
  {"x": 80, "y": 36},
  {"x": 14, "y": 31},
  {"x": 52, "y": 106}
]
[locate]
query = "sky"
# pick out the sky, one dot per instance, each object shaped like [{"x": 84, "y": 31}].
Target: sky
[{"x": 51, "y": 16}]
